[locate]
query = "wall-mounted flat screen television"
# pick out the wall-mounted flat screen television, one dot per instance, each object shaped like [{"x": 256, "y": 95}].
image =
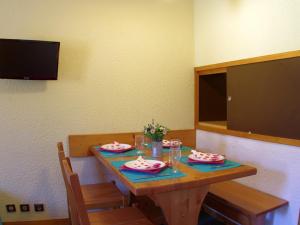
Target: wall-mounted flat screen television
[{"x": 28, "y": 59}]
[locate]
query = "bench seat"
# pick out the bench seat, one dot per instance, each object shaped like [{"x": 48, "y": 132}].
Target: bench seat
[{"x": 240, "y": 203}]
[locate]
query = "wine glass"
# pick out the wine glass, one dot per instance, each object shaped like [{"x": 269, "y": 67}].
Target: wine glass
[
  {"x": 175, "y": 154},
  {"x": 139, "y": 144}
]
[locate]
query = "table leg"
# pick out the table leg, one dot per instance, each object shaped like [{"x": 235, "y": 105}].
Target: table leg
[{"x": 181, "y": 206}]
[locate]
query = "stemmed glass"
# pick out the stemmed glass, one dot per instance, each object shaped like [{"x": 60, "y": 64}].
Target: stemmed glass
[
  {"x": 175, "y": 154},
  {"x": 139, "y": 144}
]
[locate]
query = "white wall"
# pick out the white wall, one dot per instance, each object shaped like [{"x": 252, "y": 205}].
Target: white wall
[
  {"x": 235, "y": 29},
  {"x": 122, "y": 63}
]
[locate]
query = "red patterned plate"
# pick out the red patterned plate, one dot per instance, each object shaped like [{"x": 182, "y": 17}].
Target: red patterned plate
[
  {"x": 116, "y": 147},
  {"x": 205, "y": 162},
  {"x": 205, "y": 157},
  {"x": 166, "y": 143}
]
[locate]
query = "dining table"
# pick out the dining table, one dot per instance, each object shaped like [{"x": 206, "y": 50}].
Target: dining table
[{"x": 179, "y": 197}]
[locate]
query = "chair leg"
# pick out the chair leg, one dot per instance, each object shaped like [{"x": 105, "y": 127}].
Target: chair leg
[
  {"x": 69, "y": 211},
  {"x": 72, "y": 215}
]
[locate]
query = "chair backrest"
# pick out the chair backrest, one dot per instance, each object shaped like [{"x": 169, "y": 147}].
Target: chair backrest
[
  {"x": 61, "y": 157},
  {"x": 61, "y": 154},
  {"x": 78, "y": 210}
]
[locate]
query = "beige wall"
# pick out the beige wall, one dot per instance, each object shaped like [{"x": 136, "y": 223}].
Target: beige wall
[
  {"x": 234, "y": 29},
  {"x": 122, "y": 63}
]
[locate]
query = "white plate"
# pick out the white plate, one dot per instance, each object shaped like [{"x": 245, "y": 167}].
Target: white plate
[
  {"x": 145, "y": 164},
  {"x": 206, "y": 157},
  {"x": 116, "y": 147}
]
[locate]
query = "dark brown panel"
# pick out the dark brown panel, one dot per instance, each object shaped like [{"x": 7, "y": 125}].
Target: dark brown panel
[
  {"x": 212, "y": 97},
  {"x": 265, "y": 98}
]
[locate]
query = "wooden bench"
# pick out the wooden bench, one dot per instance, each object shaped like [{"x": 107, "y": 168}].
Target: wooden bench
[
  {"x": 79, "y": 145},
  {"x": 232, "y": 201}
]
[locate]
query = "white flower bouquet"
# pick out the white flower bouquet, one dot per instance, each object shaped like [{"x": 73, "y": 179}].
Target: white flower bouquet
[{"x": 155, "y": 132}]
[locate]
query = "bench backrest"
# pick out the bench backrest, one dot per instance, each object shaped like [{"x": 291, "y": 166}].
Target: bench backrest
[{"x": 79, "y": 145}]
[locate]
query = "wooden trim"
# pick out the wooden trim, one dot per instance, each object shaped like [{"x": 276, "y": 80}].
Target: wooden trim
[
  {"x": 41, "y": 222},
  {"x": 259, "y": 137},
  {"x": 196, "y": 100},
  {"x": 211, "y": 71},
  {"x": 216, "y": 124},
  {"x": 221, "y": 66}
]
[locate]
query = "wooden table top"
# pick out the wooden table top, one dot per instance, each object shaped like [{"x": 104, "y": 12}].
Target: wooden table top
[{"x": 193, "y": 178}]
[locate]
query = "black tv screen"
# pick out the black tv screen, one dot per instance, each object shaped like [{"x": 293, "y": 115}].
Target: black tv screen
[{"x": 28, "y": 59}]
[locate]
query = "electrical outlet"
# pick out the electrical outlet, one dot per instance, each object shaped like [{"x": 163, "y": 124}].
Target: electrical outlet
[
  {"x": 24, "y": 208},
  {"x": 10, "y": 208},
  {"x": 39, "y": 207}
]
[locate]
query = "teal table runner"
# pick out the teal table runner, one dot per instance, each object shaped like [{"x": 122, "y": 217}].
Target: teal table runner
[
  {"x": 138, "y": 177},
  {"x": 210, "y": 167},
  {"x": 107, "y": 154}
]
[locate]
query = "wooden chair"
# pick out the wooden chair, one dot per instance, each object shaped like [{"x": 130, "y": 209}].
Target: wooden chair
[
  {"x": 124, "y": 216},
  {"x": 95, "y": 196}
]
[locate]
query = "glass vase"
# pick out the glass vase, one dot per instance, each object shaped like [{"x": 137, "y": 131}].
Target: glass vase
[{"x": 156, "y": 149}]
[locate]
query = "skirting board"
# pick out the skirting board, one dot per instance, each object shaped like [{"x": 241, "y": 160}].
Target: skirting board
[{"x": 41, "y": 222}]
